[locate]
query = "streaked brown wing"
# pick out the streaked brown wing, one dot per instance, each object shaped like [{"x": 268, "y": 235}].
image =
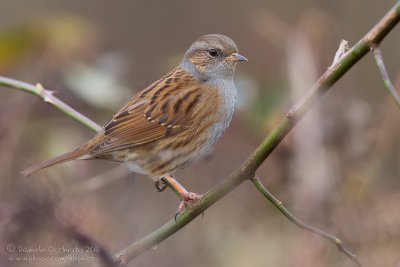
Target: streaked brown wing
[{"x": 164, "y": 108}]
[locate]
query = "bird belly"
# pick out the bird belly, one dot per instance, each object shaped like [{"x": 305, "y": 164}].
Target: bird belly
[
  {"x": 161, "y": 163},
  {"x": 167, "y": 156}
]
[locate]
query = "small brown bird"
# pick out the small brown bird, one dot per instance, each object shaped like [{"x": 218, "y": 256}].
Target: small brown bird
[{"x": 173, "y": 121}]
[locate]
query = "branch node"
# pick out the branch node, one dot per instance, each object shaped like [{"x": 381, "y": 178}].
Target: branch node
[
  {"x": 338, "y": 242},
  {"x": 373, "y": 46},
  {"x": 121, "y": 259},
  {"x": 290, "y": 115},
  {"x": 46, "y": 95},
  {"x": 39, "y": 88}
]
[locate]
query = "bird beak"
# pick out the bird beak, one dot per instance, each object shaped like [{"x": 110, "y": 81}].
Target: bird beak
[{"x": 236, "y": 57}]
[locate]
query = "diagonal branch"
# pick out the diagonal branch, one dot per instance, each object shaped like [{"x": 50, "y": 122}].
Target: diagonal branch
[
  {"x": 278, "y": 204},
  {"x": 48, "y": 97},
  {"x": 385, "y": 76}
]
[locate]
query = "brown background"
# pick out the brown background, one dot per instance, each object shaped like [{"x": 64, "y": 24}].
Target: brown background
[{"x": 338, "y": 170}]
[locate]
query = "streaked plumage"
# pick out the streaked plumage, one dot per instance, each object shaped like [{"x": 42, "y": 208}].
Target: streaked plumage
[{"x": 173, "y": 121}]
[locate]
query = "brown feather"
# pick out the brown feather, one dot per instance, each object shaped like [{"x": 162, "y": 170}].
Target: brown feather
[
  {"x": 151, "y": 116},
  {"x": 174, "y": 120},
  {"x": 77, "y": 153}
]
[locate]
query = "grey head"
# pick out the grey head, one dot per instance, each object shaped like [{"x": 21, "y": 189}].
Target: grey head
[{"x": 212, "y": 56}]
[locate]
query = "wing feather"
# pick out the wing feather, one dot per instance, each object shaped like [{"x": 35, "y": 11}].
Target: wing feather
[{"x": 162, "y": 109}]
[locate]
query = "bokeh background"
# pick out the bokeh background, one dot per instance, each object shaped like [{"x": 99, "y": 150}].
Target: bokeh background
[{"x": 338, "y": 170}]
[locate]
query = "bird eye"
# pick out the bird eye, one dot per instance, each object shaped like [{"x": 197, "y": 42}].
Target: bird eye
[{"x": 213, "y": 52}]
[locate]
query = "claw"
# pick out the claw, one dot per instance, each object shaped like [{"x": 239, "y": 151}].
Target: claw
[
  {"x": 160, "y": 185},
  {"x": 187, "y": 199},
  {"x": 176, "y": 216}
]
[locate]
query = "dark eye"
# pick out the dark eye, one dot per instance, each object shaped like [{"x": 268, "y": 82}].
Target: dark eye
[{"x": 214, "y": 52}]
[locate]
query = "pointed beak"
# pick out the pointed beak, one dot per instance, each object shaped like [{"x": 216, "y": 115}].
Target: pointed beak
[{"x": 236, "y": 57}]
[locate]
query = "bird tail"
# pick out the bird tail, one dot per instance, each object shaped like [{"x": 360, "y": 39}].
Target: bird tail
[
  {"x": 75, "y": 154},
  {"x": 56, "y": 160}
]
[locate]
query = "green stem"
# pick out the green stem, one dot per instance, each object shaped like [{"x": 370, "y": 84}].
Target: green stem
[
  {"x": 278, "y": 204},
  {"x": 385, "y": 76}
]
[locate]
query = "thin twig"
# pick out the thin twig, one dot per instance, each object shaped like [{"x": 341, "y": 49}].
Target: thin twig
[
  {"x": 48, "y": 97},
  {"x": 278, "y": 204},
  {"x": 385, "y": 76}
]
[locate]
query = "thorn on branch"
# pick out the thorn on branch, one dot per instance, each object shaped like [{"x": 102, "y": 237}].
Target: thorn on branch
[
  {"x": 303, "y": 102},
  {"x": 341, "y": 52},
  {"x": 46, "y": 95}
]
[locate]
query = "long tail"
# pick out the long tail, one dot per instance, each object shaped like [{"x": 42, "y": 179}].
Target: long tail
[
  {"x": 77, "y": 153},
  {"x": 56, "y": 160}
]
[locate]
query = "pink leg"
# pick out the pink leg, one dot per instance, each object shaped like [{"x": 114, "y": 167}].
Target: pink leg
[{"x": 186, "y": 196}]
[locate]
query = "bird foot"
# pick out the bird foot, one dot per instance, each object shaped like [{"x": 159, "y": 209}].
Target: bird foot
[{"x": 188, "y": 198}]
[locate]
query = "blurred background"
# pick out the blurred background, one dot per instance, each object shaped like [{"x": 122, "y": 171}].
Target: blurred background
[{"x": 338, "y": 170}]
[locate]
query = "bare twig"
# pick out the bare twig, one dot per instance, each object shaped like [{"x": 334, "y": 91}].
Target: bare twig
[
  {"x": 48, "y": 97},
  {"x": 336, "y": 241},
  {"x": 381, "y": 65}
]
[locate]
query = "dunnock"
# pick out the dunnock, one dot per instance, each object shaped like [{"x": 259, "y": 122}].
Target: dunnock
[{"x": 173, "y": 121}]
